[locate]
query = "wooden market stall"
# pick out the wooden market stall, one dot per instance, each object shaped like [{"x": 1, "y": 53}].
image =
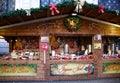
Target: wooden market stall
[{"x": 47, "y": 49}]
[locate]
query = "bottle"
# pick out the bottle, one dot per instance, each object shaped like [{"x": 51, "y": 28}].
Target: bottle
[{"x": 66, "y": 48}]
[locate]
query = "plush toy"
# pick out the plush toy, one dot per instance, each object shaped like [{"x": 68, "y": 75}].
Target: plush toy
[
  {"x": 53, "y": 42},
  {"x": 18, "y": 45},
  {"x": 71, "y": 43}
]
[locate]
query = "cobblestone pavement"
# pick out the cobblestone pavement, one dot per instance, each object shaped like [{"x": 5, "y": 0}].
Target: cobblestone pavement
[{"x": 105, "y": 80}]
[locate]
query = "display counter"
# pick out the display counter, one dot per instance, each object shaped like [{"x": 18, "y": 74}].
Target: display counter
[
  {"x": 21, "y": 48},
  {"x": 110, "y": 60},
  {"x": 23, "y": 60},
  {"x": 18, "y": 70},
  {"x": 71, "y": 57}
]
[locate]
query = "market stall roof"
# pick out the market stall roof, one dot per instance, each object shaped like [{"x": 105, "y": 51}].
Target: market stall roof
[{"x": 87, "y": 13}]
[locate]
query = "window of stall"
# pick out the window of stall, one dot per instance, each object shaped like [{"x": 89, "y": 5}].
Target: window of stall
[
  {"x": 22, "y": 48},
  {"x": 4, "y": 46},
  {"x": 111, "y": 47},
  {"x": 65, "y": 47}
]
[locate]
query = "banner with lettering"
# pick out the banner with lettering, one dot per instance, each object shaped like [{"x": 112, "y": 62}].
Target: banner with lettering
[
  {"x": 18, "y": 69},
  {"x": 71, "y": 69},
  {"x": 111, "y": 67}
]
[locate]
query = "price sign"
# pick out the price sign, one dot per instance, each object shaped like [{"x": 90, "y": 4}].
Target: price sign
[{"x": 44, "y": 46}]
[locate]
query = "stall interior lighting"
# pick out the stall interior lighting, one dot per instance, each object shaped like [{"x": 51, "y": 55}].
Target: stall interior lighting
[{"x": 1, "y": 37}]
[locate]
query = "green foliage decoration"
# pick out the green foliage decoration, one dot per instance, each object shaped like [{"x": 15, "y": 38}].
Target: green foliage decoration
[
  {"x": 72, "y": 23},
  {"x": 46, "y": 8}
]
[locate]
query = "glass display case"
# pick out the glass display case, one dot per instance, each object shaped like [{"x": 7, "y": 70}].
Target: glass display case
[
  {"x": 22, "y": 48},
  {"x": 71, "y": 55},
  {"x": 111, "y": 47},
  {"x": 70, "y": 47},
  {"x": 110, "y": 66}
]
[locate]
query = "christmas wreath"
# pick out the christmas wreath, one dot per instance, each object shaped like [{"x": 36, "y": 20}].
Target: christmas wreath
[{"x": 72, "y": 23}]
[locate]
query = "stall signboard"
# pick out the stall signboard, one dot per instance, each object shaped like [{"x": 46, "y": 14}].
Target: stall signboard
[
  {"x": 111, "y": 67},
  {"x": 71, "y": 69},
  {"x": 18, "y": 69}
]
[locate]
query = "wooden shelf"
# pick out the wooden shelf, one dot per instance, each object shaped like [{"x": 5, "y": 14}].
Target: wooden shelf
[
  {"x": 71, "y": 61},
  {"x": 18, "y": 61},
  {"x": 108, "y": 60}
]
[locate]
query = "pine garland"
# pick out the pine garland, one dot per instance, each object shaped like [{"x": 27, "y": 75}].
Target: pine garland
[
  {"x": 13, "y": 13},
  {"x": 91, "y": 6},
  {"x": 45, "y": 8}
]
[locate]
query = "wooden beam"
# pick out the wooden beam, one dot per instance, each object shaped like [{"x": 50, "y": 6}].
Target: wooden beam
[
  {"x": 6, "y": 21},
  {"x": 57, "y": 17},
  {"x": 34, "y": 16},
  {"x": 88, "y": 12},
  {"x": 20, "y": 18},
  {"x": 99, "y": 16},
  {"x": 34, "y": 21},
  {"x": 99, "y": 21}
]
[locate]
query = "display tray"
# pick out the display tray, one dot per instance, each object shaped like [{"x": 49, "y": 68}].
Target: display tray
[
  {"x": 83, "y": 57},
  {"x": 27, "y": 54},
  {"x": 114, "y": 56}
]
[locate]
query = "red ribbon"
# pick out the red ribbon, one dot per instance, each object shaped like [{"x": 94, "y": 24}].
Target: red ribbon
[
  {"x": 88, "y": 68},
  {"x": 101, "y": 9},
  {"x": 54, "y": 9}
]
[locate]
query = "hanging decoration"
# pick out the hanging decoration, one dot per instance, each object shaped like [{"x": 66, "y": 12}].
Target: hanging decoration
[
  {"x": 53, "y": 43},
  {"x": 54, "y": 9},
  {"x": 28, "y": 11},
  {"x": 72, "y": 23},
  {"x": 101, "y": 9},
  {"x": 79, "y": 5}
]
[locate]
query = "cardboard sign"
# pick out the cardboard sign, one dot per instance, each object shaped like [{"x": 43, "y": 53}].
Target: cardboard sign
[{"x": 44, "y": 39}]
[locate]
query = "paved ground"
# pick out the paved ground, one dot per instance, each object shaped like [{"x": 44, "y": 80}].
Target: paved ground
[{"x": 107, "y": 80}]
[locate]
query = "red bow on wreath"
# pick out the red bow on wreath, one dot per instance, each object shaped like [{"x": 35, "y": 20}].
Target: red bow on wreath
[
  {"x": 54, "y": 9},
  {"x": 101, "y": 9}
]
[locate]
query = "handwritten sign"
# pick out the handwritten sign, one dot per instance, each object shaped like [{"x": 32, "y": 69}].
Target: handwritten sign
[
  {"x": 44, "y": 39},
  {"x": 18, "y": 70},
  {"x": 111, "y": 67},
  {"x": 71, "y": 69},
  {"x": 44, "y": 46}
]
